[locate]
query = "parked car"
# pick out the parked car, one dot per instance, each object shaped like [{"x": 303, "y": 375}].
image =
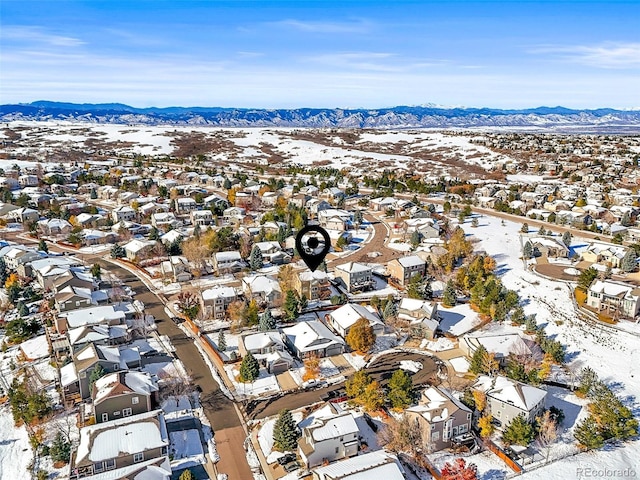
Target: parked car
[
  {"x": 290, "y": 467},
  {"x": 177, "y": 320}
]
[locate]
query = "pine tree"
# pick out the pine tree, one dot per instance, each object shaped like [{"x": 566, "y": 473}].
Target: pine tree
[
  {"x": 255, "y": 259},
  {"x": 222, "y": 341},
  {"x": 361, "y": 337},
  {"x": 415, "y": 238},
  {"x": 117, "y": 251},
  {"x": 588, "y": 435},
  {"x": 154, "y": 234},
  {"x": 42, "y": 246},
  {"x": 542, "y": 231},
  {"x": 566, "y": 238},
  {"x": 94, "y": 194},
  {"x": 291, "y": 305},
  {"x": 476, "y": 365},
  {"x": 390, "y": 310},
  {"x": 249, "y": 369},
  {"x": 400, "y": 389},
  {"x": 525, "y": 228},
  {"x": 3, "y": 271},
  {"x": 527, "y": 250},
  {"x": 96, "y": 271},
  {"x": 97, "y": 373},
  {"x": 23, "y": 310},
  {"x": 628, "y": 262},
  {"x": 449, "y": 297},
  {"x": 227, "y": 184},
  {"x": 267, "y": 322},
  {"x": 285, "y": 432},
  {"x": 60, "y": 449},
  {"x": 303, "y": 304},
  {"x": 518, "y": 432}
]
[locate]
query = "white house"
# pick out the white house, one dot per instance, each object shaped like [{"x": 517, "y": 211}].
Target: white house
[
  {"x": 378, "y": 465},
  {"x": 342, "y": 319},
  {"x": 312, "y": 337}
]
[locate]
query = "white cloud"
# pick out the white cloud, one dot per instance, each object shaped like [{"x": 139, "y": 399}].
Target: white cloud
[
  {"x": 607, "y": 55},
  {"x": 360, "y": 26},
  {"x": 38, "y": 35}
]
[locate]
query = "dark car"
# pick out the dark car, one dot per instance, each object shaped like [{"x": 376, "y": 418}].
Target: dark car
[
  {"x": 288, "y": 458},
  {"x": 177, "y": 320},
  {"x": 290, "y": 467}
]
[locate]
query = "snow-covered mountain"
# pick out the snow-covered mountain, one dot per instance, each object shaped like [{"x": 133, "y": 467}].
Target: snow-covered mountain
[{"x": 427, "y": 116}]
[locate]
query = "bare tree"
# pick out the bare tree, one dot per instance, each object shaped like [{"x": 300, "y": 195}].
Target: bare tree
[
  {"x": 196, "y": 251},
  {"x": 547, "y": 433},
  {"x": 401, "y": 436},
  {"x": 175, "y": 385}
]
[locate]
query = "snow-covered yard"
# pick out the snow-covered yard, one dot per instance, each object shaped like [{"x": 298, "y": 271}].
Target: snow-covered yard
[
  {"x": 185, "y": 449},
  {"x": 265, "y": 384},
  {"x": 15, "y": 450},
  {"x": 458, "y": 320}
]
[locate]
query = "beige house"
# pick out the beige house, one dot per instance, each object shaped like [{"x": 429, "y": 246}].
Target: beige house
[
  {"x": 608, "y": 254},
  {"x": 356, "y": 276},
  {"x": 442, "y": 418},
  {"x": 614, "y": 298},
  {"x": 404, "y": 268},
  {"x": 313, "y": 285}
]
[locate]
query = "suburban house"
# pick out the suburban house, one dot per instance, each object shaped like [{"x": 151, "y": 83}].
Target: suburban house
[
  {"x": 608, "y": 254},
  {"x": 269, "y": 349},
  {"x": 227, "y": 262},
  {"x": 54, "y": 227},
  {"x": 404, "y": 268},
  {"x": 442, "y": 418},
  {"x": 373, "y": 465},
  {"x": 73, "y": 278},
  {"x": 312, "y": 338},
  {"x": 165, "y": 221},
  {"x": 120, "y": 443},
  {"x": 16, "y": 255},
  {"x": 176, "y": 268},
  {"x": 422, "y": 316},
  {"x": 72, "y": 298},
  {"x": 547, "y": 246},
  {"x": 614, "y": 298},
  {"x": 100, "y": 315},
  {"x": 137, "y": 250},
  {"x": 272, "y": 253},
  {"x": 122, "y": 394},
  {"x": 98, "y": 335},
  {"x": 202, "y": 217},
  {"x": 185, "y": 205},
  {"x": 216, "y": 300},
  {"x": 216, "y": 202},
  {"x": 506, "y": 399},
  {"x": 123, "y": 213},
  {"x": 313, "y": 285},
  {"x": 328, "y": 436},
  {"x": 264, "y": 288},
  {"x": 342, "y": 319},
  {"x": 501, "y": 345},
  {"x": 357, "y": 277},
  {"x": 24, "y": 215}
]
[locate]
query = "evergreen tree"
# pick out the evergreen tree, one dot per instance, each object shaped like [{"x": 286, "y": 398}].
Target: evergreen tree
[
  {"x": 415, "y": 288},
  {"x": 525, "y": 228},
  {"x": 96, "y": 271},
  {"x": 117, "y": 251},
  {"x": 42, "y": 246},
  {"x": 154, "y": 234},
  {"x": 222, "y": 341},
  {"x": 588, "y": 435},
  {"x": 542, "y": 231},
  {"x": 517, "y": 316},
  {"x": 3, "y": 271},
  {"x": 628, "y": 262},
  {"x": 60, "y": 449},
  {"x": 23, "y": 310},
  {"x": 527, "y": 250},
  {"x": 518, "y": 432},
  {"x": 390, "y": 310},
  {"x": 255, "y": 259},
  {"x": 415, "y": 238},
  {"x": 587, "y": 277},
  {"x": 566, "y": 238},
  {"x": 449, "y": 297},
  {"x": 267, "y": 322},
  {"x": 400, "y": 389},
  {"x": 357, "y": 217},
  {"x": 249, "y": 369},
  {"x": 477, "y": 360},
  {"x": 97, "y": 373},
  {"x": 285, "y": 432},
  {"x": 282, "y": 235},
  {"x": 291, "y": 305},
  {"x": 303, "y": 304},
  {"x": 94, "y": 194}
]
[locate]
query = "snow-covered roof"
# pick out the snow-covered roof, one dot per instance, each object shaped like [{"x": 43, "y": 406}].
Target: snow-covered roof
[
  {"x": 502, "y": 345},
  {"x": 124, "y": 436},
  {"x": 354, "y": 267},
  {"x": 520, "y": 395},
  {"x": 35, "y": 348},
  {"x": 258, "y": 341},
  {"x": 93, "y": 315},
  {"x": 135, "y": 382},
  {"x": 377, "y": 464},
  {"x": 437, "y": 405},
  {"x": 411, "y": 261},
  {"x": 308, "y": 275},
  {"x": 308, "y": 336},
  {"x": 614, "y": 289},
  {"x": 228, "y": 256},
  {"x": 338, "y": 426},
  {"x": 218, "y": 292},
  {"x": 68, "y": 374},
  {"x": 348, "y": 314},
  {"x": 261, "y": 284},
  {"x": 599, "y": 248}
]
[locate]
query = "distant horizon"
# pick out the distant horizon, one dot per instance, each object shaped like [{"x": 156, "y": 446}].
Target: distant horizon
[
  {"x": 303, "y": 107},
  {"x": 280, "y": 54}
]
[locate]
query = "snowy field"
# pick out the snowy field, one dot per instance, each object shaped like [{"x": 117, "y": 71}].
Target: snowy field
[{"x": 606, "y": 350}]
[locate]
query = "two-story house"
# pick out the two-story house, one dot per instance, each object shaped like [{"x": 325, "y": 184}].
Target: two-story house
[
  {"x": 123, "y": 213},
  {"x": 165, "y": 221},
  {"x": 264, "y": 288},
  {"x": 404, "y": 268},
  {"x": 202, "y": 217},
  {"x": 313, "y": 285},
  {"x": 442, "y": 418},
  {"x": 269, "y": 349},
  {"x": 122, "y": 394},
  {"x": 272, "y": 253},
  {"x": 328, "y": 436},
  {"x": 227, "y": 262},
  {"x": 506, "y": 399},
  {"x": 617, "y": 299},
  {"x": 216, "y": 300},
  {"x": 72, "y": 298},
  {"x": 422, "y": 316},
  {"x": 357, "y": 277},
  {"x": 185, "y": 205},
  {"x": 120, "y": 444},
  {"x": 608, "y": 254}
]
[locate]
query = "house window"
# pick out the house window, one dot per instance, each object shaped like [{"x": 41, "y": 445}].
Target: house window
[
  {"x": 116, "y": 414},
  {"x": 138, "y": 457},
  {"x": 98, "y": 467},
  {"x": 435, "y": 436},
  {"x": 126, "y": 412},
  {"x": 116, "y": 366},
  {"x": 135, "y": 400},
  {"x": 110, "y": 464},
  {"x": 105, "y": 417},
  {"x": 337, "y": 449},
  {"x": 498, "y": 413},
  {"x": 462, "y": 429},
  {"x": 77, "y": 303}
]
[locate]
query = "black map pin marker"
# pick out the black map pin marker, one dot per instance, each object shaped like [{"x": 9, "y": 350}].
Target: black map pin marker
[{"x": 313, "y": 244}]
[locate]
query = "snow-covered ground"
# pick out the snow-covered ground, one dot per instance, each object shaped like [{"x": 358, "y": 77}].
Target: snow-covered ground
[
  {"x": 608, "y": 351},
  {"x": 411, "y": 365},
  {"x": 265, "y": 384},
  {"x": 440, "y": 345},
  {"x": 460, "y": 364},
  {"x": 186, "y": 449},
  {"x": 458, "y": 320},
  {"x": 15, "y": 450}
]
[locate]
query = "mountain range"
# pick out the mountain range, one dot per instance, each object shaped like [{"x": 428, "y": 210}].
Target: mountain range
[{"x": 541, "y": 118}]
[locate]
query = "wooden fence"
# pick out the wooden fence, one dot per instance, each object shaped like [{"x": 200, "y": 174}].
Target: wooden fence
[{"x": 502, "y": 455}]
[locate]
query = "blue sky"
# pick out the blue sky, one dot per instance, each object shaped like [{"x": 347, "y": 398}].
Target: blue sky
[{"x": 296, "y": 53}]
